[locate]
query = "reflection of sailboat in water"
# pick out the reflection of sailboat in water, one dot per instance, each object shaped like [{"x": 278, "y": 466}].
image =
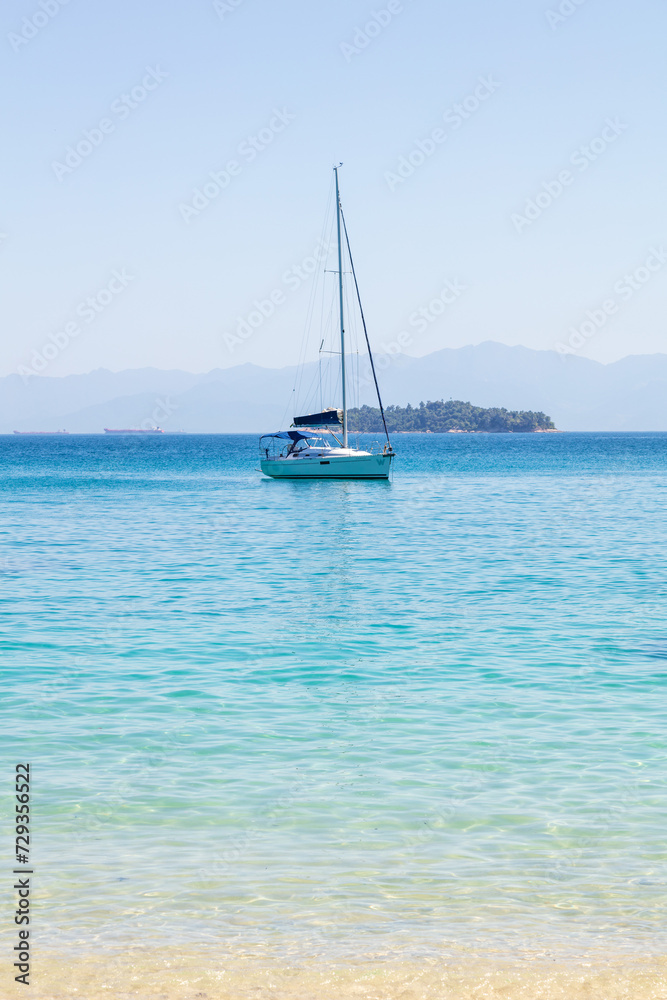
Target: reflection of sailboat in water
[{"x": 305, "y": 451}]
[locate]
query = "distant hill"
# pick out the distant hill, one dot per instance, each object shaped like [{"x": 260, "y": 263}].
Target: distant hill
[
  {"x": 579, "y": 394},
  {"x": 442, "y": 417}
]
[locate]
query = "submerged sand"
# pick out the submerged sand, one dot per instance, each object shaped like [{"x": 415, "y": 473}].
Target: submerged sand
[{"x": 168, "y": 975}]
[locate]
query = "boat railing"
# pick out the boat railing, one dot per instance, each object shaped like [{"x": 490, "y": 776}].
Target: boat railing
[
  {"x": 272, "y": 448},
  {"x": 374, "y": 447}
]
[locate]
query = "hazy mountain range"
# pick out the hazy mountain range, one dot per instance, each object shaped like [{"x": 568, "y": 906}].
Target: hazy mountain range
[{"x": 577, "y": 393}]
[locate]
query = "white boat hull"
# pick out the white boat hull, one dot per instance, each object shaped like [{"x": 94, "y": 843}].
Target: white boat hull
[{"x": 329, "y": 467}]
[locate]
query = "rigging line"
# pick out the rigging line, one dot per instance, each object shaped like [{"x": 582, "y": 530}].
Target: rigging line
[
  {"x": 290, "y": 406},
  {"x": 298, "y": 380},
  {"x": 363, "y": 321},
  {"x": 326, "y": 327},
  {"x": 352, "y": 344},
  {"x": 304, "y": 395},
  {"x": 324, "y": 331},
  {"x": 319, "y": 361},
  {"x": 311, "y": 392},
  {"x": 298, "y": 375},
  {"x": 321, "y": 390}
]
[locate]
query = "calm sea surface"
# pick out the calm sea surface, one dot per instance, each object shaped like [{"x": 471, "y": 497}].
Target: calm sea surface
[{"x": 309, "y": 718}]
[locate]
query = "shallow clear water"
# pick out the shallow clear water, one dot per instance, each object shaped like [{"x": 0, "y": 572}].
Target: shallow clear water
[{"x": 340, "y": 718}]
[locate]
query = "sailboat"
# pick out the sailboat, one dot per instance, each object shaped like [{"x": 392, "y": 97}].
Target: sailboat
[{"x": 306, "y": 451}]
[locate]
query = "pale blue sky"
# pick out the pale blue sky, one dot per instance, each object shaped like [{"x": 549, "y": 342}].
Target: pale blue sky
[{"x": 219, "y": 77}]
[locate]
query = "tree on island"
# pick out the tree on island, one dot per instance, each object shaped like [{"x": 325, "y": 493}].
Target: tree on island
[{"x": 454, "y": 415}]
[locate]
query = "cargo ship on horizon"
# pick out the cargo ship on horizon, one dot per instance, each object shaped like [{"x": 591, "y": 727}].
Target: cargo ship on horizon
[{"x": 133, "y": 430}]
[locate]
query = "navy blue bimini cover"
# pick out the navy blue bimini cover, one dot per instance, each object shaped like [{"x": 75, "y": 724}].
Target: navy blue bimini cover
[
  {"x": 328, "y": 418},
  {"x": 290, "y": 435}
]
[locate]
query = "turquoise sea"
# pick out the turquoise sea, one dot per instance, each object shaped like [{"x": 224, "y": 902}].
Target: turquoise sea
[{"x": 329, "y": 720}]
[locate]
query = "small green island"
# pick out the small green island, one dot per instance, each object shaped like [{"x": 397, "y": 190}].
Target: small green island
[{"x": 453, "y": 416}]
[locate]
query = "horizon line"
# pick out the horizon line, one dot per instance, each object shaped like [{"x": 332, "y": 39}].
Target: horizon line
[{"x": 402, "y": 354}]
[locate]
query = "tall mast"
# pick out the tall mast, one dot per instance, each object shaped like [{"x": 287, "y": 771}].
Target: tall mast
[{"x": 342, "y": 319}]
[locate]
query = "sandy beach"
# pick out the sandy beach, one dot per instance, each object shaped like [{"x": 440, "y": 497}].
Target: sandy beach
[{"x": 192, "y": 975}]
